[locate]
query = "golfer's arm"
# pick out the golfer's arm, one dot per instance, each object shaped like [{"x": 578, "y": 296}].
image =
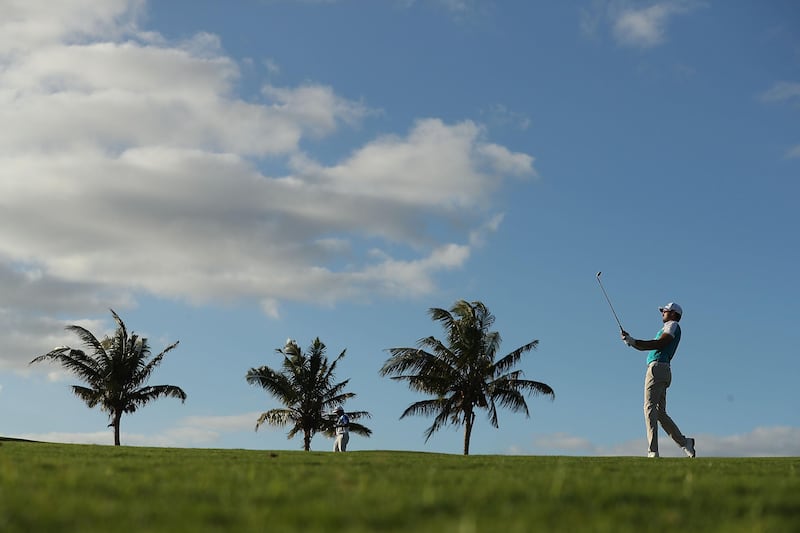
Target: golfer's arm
[{"x": 655, "y": 344}]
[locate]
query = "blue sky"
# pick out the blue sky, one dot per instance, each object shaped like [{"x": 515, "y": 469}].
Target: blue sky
[{"x": 232, "y": 174}]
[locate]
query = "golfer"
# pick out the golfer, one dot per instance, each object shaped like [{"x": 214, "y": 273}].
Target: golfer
[
  {"x": 658, "y": 378},
  {"x": 342, "y": 431}
]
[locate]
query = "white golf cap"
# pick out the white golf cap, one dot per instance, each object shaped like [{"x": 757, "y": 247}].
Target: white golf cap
[{"x": 672, "y": 306}]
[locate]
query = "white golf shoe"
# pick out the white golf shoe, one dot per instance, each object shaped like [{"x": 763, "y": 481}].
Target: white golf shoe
[
  {"x": 688, "y": 448},
  {"x": 652, "y": 454}
]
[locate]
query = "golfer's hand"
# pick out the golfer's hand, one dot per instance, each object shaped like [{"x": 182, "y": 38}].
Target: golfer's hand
[{"x": 627, "y": 339}]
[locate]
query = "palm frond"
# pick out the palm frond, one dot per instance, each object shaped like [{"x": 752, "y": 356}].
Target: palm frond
[
  {"x": 534, "y": 387},
  {"x": 333, "y": 391},
  {"x": 358, "y": 415},
  {"x": 441, "y": 420},
  {"x": 275, "y": 417},
  {"x": 133, "y": 400},
  {"x": 329, "y": 403},
  {"x": 275, "y": 383},
  {"x": 417, "y": 362},
  {"x": 360, "y": 429},
  {"x": 91, "y": 397},
  {"x": 404, "y": 360},
  {"x": 75, "y": 361},
  {"x": 121, "y": 328},
  {"x": 508, "y": 361},
  {"x": 511, "y": 399},
  {"x": 425, "y": 407},
  {"x": 492, "y": 412},
  {"x": 329, "y": 430},
  {"x": 88, "y": 339},
  {"x": 149, "y": 367},
  {"x": 444, "y": 316}
]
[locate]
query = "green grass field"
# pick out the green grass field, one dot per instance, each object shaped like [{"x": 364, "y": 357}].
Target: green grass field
[{"x": 59, "y": 487}]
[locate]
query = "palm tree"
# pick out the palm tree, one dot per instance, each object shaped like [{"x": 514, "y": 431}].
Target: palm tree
[
  {"x": 305, "y": 387},
  {"x": 116, "y": 371},
  {"x": 463, "y": 375}
]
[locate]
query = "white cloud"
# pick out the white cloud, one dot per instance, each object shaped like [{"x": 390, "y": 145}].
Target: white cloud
[
  {"x": 501, "y": 116},
  {"x": 182, "y": 437},
  {"x": 190, "y": 432},
  {"x": 777, "y": 441},
  {"x": 26, "y": 335},
  {"x": 589, "y": 21},
  {"x": 413, "y": 278},
  {"x": 506, "y": 162},
  {"x": 270, "y": 307},
  {"x": 478, "y": 237},
  {"x": 644, "y": 27},
  {"x": 635, "y": 24},
  {"x": 272, "y": 66},
  {"x": 437, "y": 166},
  {"x": 456, "y": 7},
  {"x": 240, "y": 422},
  {"x": 564, "y": 443},
  {"x": 783, "y": 91},
  {"x": 763, "y": 441},
  {"x": 26, "y": 24},
  {"x": 315, "y": 107},
  {"x": 128, "y": 164},
  {"x": 97, "y": 437}
]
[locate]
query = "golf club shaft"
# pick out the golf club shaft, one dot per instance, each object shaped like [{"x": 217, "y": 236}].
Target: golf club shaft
[{"x": 609, "y": 301}]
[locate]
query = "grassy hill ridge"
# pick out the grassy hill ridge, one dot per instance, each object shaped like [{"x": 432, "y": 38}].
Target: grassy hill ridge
[
  {"x": 61, "y": 487},
  {"x": 12, "y": 439}
]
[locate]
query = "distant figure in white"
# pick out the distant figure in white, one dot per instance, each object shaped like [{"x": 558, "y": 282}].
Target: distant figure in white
[{"x": 342, "y": 431}]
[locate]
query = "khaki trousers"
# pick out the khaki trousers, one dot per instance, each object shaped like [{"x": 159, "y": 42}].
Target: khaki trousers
[
  {"x": 340, "y": 445},
  {"x": 656, "y": 382}
]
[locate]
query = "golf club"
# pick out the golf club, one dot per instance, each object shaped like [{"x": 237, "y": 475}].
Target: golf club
[{"x": 609, "y": 301}]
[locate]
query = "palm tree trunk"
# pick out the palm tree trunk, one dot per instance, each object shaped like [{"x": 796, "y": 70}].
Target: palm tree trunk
[
  {"x": 469, "y": 418},
  {"x": 116, "y": 424},
  {"x": 307, "y": 441}
]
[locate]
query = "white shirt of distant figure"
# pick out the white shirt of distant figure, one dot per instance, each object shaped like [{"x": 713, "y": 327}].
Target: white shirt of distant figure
[{"x": 342, "y": 431}]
